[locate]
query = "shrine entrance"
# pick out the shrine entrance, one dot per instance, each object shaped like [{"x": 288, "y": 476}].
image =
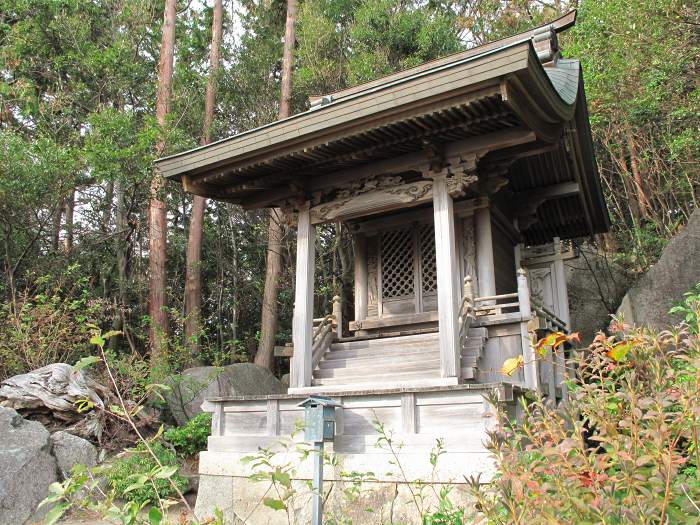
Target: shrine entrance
[{"x": 408, "y": 276}]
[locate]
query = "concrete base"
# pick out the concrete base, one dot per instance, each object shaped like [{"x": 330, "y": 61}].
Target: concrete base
[
  {"x": 365, "y": 479},
  {"x": 240, "y": 501}
]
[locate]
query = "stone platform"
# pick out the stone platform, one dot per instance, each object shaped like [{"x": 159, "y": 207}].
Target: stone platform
[{"x": 413, "y": 420}]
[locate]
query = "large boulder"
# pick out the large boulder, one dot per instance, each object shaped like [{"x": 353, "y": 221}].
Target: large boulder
[
  {"x": 190, "y": 388},
  {"x": 676, "y": 271},
  {"x": 595, "y": 287},
  {"x": 27, "y": 468},
  {"x": 70, "y": 450}
]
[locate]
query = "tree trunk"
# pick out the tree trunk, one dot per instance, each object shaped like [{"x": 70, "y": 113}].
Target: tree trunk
[
  {"x": 121, "y": 250},
  {"x": 642, "y": 198},
  {"x": 157, "y": 214},
  {"x": 69, "y": 210},
  {"x": 287, "y": 60},
  {"x": 193, "y": 277},
  {"x": 268, "y": 321},
  {"x": 56, "y": 230}
]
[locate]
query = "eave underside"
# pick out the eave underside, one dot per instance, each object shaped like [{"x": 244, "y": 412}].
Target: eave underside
[{"x": 526, "y": 124}]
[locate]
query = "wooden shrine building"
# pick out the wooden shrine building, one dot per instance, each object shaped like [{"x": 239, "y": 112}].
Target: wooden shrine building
[{"x": 462, "y": 181}]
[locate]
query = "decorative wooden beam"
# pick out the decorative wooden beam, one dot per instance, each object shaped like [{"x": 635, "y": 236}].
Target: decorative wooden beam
[{"x": 455, "y": 151}]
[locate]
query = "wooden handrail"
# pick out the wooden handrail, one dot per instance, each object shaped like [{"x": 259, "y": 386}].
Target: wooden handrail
[
  {"x": 548, "y": 314},
  {"x": 496, "y": 297}
]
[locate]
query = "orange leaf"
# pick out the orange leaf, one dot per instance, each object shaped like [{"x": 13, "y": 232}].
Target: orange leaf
[{"x": 555, "y": 339}]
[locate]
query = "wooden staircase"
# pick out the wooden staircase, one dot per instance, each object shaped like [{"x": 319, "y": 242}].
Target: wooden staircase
[{"x": 408, "y": 360}]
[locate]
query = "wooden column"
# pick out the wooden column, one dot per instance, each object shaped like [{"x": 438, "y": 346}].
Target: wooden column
[
  {"x": 532, "y": 379},
  {"x": 448, "y": 287},
  {"x": 560, "y": 372},
  {"x": 560, "y": 276},
  {"x": 360, "y": 278},
  {"x": 302, "y": 323},
  {"x": 485, "y": 270}
]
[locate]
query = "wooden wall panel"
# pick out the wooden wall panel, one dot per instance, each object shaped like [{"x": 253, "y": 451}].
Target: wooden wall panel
[{"x": 504, "y": 261}]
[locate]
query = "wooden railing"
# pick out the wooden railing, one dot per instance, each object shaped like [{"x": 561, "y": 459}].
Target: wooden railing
[
  {"x": 326, "y": 329},
  {"x": 548, "y": 320},
  {"x": 497, "y": 304}
]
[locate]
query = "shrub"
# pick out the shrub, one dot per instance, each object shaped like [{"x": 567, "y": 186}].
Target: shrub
[
  {"x": 689, "y": 307},
  {"x": 190, "y": 438},
  {"x": 625, "y": 448},
  {"x": 134, "y": 476},
  {"x": 49, "y": 323}
]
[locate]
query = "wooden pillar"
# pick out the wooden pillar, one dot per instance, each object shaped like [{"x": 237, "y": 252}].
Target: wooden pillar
[
  {"x": 360, "y": 278},
  {"x": 485, "y": 271},
  {"x": 532, "y": 379},
  {"x": 448, "y": 287},
  {"x": 302, "y": 323},
  {"x": 560, "y": 281},
  {"x": 560, "y": 372}
]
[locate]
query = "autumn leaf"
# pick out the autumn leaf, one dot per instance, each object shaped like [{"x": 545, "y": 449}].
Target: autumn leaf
[
  {"x": 511, "y": 365},
  {"x": 554, "y": 339},
  {"x": 619, "y": 350}
]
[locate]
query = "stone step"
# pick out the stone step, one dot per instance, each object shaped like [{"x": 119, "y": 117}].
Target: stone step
[
  {"x": 379, "y": 377},
  {"x": 326, "y": 386},
  {"x": 427, "y": 366},
  {"x": 379, "y": 360},
  {"x": 383, "y": 351},
  {"x": 388, "y": 341}
]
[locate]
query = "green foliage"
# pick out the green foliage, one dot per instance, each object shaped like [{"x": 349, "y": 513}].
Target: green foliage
[
  {"x": 625, "y": 448},
  {"x": 82, "y": 490},
  {"x": 48, "y": 323},
  {"x": 689, "y": 308},
  {"x": 190, "y": 438},
  {"x": 140, "y": 479},
  {"x": 346, "y": 42},
  {"x": 640, "y": 68}
]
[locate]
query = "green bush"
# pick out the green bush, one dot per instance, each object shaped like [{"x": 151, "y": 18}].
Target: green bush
[
  {"x": 190, "y": 438},
  {"x": 134, "y": 476},
  {"x": 624, "y": 449},
  {"x": 689, "y": 307}
]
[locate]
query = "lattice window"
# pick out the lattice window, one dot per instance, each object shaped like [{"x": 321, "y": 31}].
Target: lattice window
[
  {"x": 397, "y": 263},
  {"x": 426, "y": 241}
]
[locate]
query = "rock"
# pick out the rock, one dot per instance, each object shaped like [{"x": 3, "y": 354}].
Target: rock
[
  {"x": 52, "y": 389},
  {"x": 70, "y": 450},
  {"x": 191, "y": 387},
  {"x": 595, "y": 287},
  {"x": 27, "y": 468},
  {"x": 676, "y": 271}
]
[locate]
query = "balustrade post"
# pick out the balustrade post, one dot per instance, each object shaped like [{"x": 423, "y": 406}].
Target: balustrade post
[
  {"x": 468, "y": 289},
  {"x": 338, "y": 316},
  {"x": 532, "y": 379}
]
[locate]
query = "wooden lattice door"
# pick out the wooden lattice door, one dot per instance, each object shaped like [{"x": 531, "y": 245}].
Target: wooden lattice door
[{"x": 408, "y": 270}]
